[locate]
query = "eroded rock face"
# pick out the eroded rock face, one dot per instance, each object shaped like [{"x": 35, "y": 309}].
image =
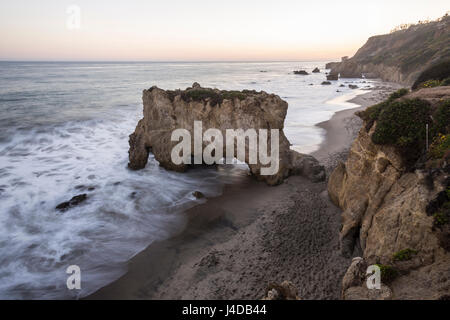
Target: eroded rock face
[
  {"x": 165, "y": 111},
  {"x": 360, "y": 185},
  {"x": 384, "y": 211}
]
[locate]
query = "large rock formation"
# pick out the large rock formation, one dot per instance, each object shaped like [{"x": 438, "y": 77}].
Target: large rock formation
[
  {"x": 400, "y": 56},
  {"x": 385, "y": 213},
  {"x": 165, "y": 111}
]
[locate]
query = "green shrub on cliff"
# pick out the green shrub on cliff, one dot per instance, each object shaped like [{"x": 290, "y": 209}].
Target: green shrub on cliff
[
  {"x": 438, "y": 72},
  {"x": 202, "y": 94},
  {"x": 441, "y": 217},
  {"x": 435, "y": 83},
  {"x": 405, "y": 254},
  {"x": 440, "y": 146},
  {"x": 231, "y": 95},
  {"x": 442, "y": 118},
  {"x": 215, "y": 97},
  {"x": 403, "y": 124},
  {"x": 398, "y": 94},
  {"x": 372, "y": 113},
  {"x": 441, "y": 132},
  {"x": 388, "y": 273},
  {"x": 430, "y": 84}
]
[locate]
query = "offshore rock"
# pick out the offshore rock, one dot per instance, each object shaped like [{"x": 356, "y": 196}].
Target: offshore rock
[{"x": 165, "y": 111}]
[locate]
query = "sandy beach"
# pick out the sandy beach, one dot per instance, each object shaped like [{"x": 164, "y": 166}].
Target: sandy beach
[{"x": 236, "y": 244}]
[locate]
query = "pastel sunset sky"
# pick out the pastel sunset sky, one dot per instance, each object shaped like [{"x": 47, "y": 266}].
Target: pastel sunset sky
[{"x": 201, "y": 30}]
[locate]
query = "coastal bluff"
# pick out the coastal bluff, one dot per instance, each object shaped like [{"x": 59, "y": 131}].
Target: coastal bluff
[
  {"x": 168, "y": 110},
  {"x": 400, "y": 56},
  {"x": 393, "y": 209}
]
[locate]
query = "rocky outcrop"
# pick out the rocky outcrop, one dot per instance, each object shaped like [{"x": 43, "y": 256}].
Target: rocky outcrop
[
  {"x": 385, "y": 214},
  {"x": 165, "y": 111},
  {"x": 353, "y": 284},
  {"x": 400, "y": 56},
  {"x": 331, "y": 65},
  {"x": 333, "y": 76},
  {"x": 75, "y": 201},
  {"x": 284, "y": 291},
  {"x": 301, "y": 72},
  {"x": 316, "y": 70}
]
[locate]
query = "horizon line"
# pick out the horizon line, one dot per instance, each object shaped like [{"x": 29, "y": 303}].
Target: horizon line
[{"x": 169, "y": 61}]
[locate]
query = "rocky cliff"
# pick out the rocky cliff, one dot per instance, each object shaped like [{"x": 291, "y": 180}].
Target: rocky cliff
[
  {"x": 388, "y": 208},
  {"x": 400, "y": 56},
  {"x": 165, "y": 111}
]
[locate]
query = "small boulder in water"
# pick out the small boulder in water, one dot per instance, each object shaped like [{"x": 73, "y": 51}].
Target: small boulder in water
[
  {"x": 133, "y": 195},
  {"x": 352, "y": 86},
  {"x": 316, "y": 70},
  {"x": 326, "y": 83},
  {"x": 75, "y": 201},
  {"x": 198, "y": 195},
  {"x": 301, "y": 72},
  {"x": 333, "y": 76}
]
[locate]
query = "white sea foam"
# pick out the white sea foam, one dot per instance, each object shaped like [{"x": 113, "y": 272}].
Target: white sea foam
[{"x": 124, "y": 213}]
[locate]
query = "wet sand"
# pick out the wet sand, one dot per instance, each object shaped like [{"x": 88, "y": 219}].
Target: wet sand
[{"x": 253, "y": 234}]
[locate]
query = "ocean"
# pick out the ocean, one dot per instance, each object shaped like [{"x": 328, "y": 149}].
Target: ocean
[{"x": 64, "y": 132}]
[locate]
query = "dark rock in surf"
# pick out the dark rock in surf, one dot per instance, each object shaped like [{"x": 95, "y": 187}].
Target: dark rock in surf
[
  {"x": 198, "y": 195},
  {"x": 333, "y": 76},
  {"x": 75, "y": 201},
  {"x": 301, "y": 72},
  {"x": 316, "y": 70}
]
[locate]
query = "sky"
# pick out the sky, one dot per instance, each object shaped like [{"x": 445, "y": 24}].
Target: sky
[{"x": 200, "y": 30}]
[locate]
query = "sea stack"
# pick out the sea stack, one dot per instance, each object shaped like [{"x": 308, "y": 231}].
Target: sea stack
[{"x": 165, "y": 111}]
